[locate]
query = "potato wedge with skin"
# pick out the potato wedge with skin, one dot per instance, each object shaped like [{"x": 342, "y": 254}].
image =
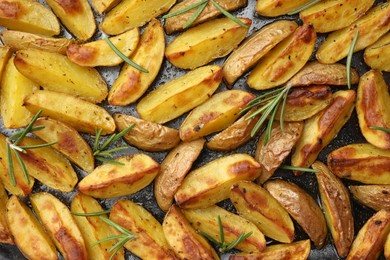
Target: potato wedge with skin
[
  {"x": 206, "y": 42},
  {"x": 217, "y": 113},
  {"x": 81, "y": 115},
  {"x": 258, "y": 206},
  {"x": 206, "y": 221},
  {"x": 56, "y": 72},
  {"x": 375, "y": 55},
  {"x": 183, "y": 238},
  {"x": 284, "y": 60},
  {"x": 28, "y": 16},
  {"x": 132, "y": 83},
  {"x": 59, "y": 223},
  {"x": 254, "y": 48},
  {"x": 5, "y": 232},
  {"x": 370, "y": 27},
  {"x": 28, "y": 233},
  {"x": 5, "y": 55},
  {"x": 113, "y": 180},
  {"x": 387, "y": 247},
  {"x": 361, "y": 162},
  {"x": 173, "y": 170},
  {"x": 102, "y": 6},
  {"x": 272, "y": 8},
  {"x": 210, "y": 183},
  {"x": 146, "y": 135},
  {"x": 180, "y": 95},
  {"x": 376, "y": 197}
]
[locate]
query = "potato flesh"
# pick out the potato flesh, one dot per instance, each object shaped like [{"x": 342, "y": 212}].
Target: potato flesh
[
  {"x": 274, "y": 8},
  {"x": 376, "y": 197},
  {"x": 375, "y": 55},
  {"x": 101, "y": 6},
  {"x": 5, "y": 232}
]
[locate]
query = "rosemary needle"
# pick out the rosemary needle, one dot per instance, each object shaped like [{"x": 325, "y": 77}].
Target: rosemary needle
[
  {"x": 186, "y": 9},
  {"x": 91, "y": 214},
  {"x": 195, "y": 15},
  {"x": 384, "y": 129},
  {"x": 229, "y": 15},
  {"x": 294, "y": 168},
  {"x": 349, "y": 58},
  {"x": 303, "y": 7}
]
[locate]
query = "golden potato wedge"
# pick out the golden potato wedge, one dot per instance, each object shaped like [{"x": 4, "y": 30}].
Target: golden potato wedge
[
  {"x": 99, "y": 53},
  {"x": 130, "y": 14},
  {"x": 146, "y": 135},
  {"x": 254, "y": 48},
  {"x": 150, "y": 242},
  {"x": 370, "y": 27},
  {"x": 5, "y": 54},
  {"x": 81, "y": 115},
  {"x": 271, "y": 155},
  {"x": 206, "y": 42},
  {"x": 113, "y": 180},
  {"x": 56, "y": 72},
  {"x": 5, "y": 232},
  {"x": 215, "y": 114},
  {"x": 210, "y": 183},
  {"x": 68, "y": 142},
  {"x": 14, "y": 88},
  {"x": 28, "y": 233},
  {"x": 376, "y": 197},
  {"x": 337, "y": 208},
  {"x": 183, "y": 238},
  {"x": 320, "y": 129},
  {"x": 361, "y": 162},
  {"x": 28, "y": 16},
  {"x": 274, "y": 8},
  {"x": 387, "y": 247},
  {"x": 173, "y": 170},
  {"x": 375, "y": 55},
  {"x": 283, "y": 61},
  {"x": 102, "y": 6},
  {"x": 331, "y": 15},
  {"x": 258, "y": 206},
  {"x": 206, "y": 221},
  {"x": 132, "y": 83},
  {"x": 59, "y": 223},
  {"x": 372, "y": 108},
  {"x": 76, "y": 16}
]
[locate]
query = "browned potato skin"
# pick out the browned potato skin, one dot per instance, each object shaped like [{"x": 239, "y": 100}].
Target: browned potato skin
[
  {"x": 376, "y": 55},
  {"x": 173, "y": 170},
  {"x": 376, "y": 197},
  {"x": 5, "y": 232},
  {"x": 146, "y": 135},
  {"x": 337, "y": 208}
]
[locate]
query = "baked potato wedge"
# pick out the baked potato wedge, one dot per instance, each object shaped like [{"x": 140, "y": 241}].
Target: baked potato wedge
[
  {"x": 258, "y": 206},
  {"x": 206, "y": 42},
  {"x": 284, "y": 60},
  {"x": 5, "y": 232},
  {"x": 5, "y": 55},
  {"x": 387, "y": 247},
  {"x": 146, "y": 135},
  {"x": 102, "y": 6},
  {"x": 274, "y": 8},
  {"x": 376, "y": 197},
  {"x": 375, "y": 55},
  {"x": 211, "y": 183},
  {"x": 180, "y": 95}
]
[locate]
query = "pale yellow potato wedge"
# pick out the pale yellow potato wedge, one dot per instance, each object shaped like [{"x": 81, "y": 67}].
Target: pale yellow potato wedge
[
  {"x": 28, "y": 16},
  {"x": 274, "y": 8},
  {"x": 284, "y": 60},
  {"x": 5, "y": 54},
  {"x": 217, "y": 113},
  {"x": 81, "y": 115},
  {"x": 180, "y": 95},
  {"x": 5, "y": 232},
  {"x": 258, "y": 206},
  {"x": 113, "y": 180},
  {"x": 370, "y": 27},
  {"x": 211, "y": 183},
  {"x": 60, "y": 224},
  {"x": 173, "y": 170},
  {"x": 132, "y": 83},
  {"x": 102, "y": 6},
  {"x": 28, "y": 233},
  {"x": 375, "y": 55},
  {"x": 376, "y": 197},
  {"x": 99, "y": 53},
  {"x": 56, "y": 72},
  {"x": 206, "y": 221},
  {"x": 254, "y": 48},
  {"x": 130, "y": 14}
]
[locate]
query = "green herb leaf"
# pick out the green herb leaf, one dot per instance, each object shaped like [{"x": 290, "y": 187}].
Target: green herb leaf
[
  {"x": 294, "y": 168},
  {"x": 384, "y": 129},
  {"x": 229, "y": 15},
  {"x": 91, "y": 214},
  {"x": 303, "y": 7},
  {"x": 349, "y": 58},
  {"x": 195, "y": 15},
  {"x": 184, "y": 10},
  {"x": 10, "y": 165}
]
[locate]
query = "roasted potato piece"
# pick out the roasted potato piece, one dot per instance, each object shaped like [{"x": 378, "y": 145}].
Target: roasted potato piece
[
  {"x": 283, "y": 61},
  {"x": 180, "y": 95},
  {"x": 102, "y": 6},
  {"x": 28, "y": 16},
  {"x": 370, "y": 27},
  {"x": 132, "y": 83},
  {"x": 258, "y": 206},
  {"x": 28, "y": 233},
  {"x": 274, "y": 8},
  {"x": 361, "y": 162},
  {"x": 81, "y": 115},
  {"x": 5, "y": 232},
  {"x": 375, "y": 55},
  {"x": 337, "y": 208},
  {"x": 113, "y": 180},
  {"x": 210, "y": 183},
  {"x": 320, "y": 129},
  {"x": 173, "y": 170},
  {"x": 183, "y": 238},
  {"x": 206, "y": 42},
  {"x": 56, "y": 72},
  {"x": 206, "y": 220},
  {"x": 376, "y": 197},
  {"x": 146, "y": 135},
  {"x": 254, "y": 48},
  {"x": 130, "y": 14},
  {"x": 387, "y": 247},
  {"x": 59, "y": 223},
  {"x": 5, "y": 54},
  {"x": 217, "y": 113}
]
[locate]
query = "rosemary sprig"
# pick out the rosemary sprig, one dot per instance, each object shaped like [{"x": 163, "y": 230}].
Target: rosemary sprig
[
  {"x": 303, "y": 7},
  {"x": 195, "y": 15},
  {"x": 349, "y": 58},
  {"x": 384, "y": 129},
  {"x": 185, "y": 9},
  {"x": 294, "y": 168},
  {"x": 91, "y": 214}
]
